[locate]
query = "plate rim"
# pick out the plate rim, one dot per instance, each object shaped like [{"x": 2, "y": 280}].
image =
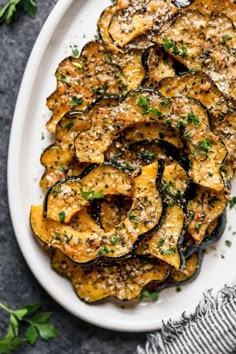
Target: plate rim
[{"x": 20, "y": 112}]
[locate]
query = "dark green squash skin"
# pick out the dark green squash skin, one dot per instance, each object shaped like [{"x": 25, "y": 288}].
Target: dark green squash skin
[
  {"x": 170, "y": 284},
  {"x": 208, "y": 241},
  {"x": 99, "y": 31}
]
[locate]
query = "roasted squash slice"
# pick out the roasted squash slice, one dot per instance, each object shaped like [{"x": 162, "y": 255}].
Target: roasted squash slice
[
  {"x": 104, "y": 22},
  {"x": 71, "y": 195},
  {"x": 191, "y": 268},
  {"x": 206, "y": 207},
  {"x": 113, "y": 211},
  {"x": 134, "y": 18},
  {"x": 53, "y": 175},
  {"x": 82, "y": 247},
  {"x": 123, "y": 280},
  {"x": 152, "y": 131},
  {"x": 206, "y": 151},
  {"x": 222, "y": 111},
  {"x": 204, "y": 44},
  {"x": 165, "y": 242},
  {"x": 98, "y": 71},
  {"x": 214, "y": 232},
  {"x": 159, "y": 65},
  {"x": 215, "y": 7},
  {"x": 182, "y": 276},
  {"x": 59, "y": 158},
  {"x": 132, "y": 157}
]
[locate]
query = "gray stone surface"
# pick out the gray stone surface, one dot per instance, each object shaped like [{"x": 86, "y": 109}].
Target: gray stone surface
[{"x": 17, "y": 285}]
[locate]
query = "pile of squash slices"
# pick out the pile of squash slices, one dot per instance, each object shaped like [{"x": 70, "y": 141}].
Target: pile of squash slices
[{"x": 138, "y": 177}]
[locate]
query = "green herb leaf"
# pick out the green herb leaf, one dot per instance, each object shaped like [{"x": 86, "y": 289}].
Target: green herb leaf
[
  {"x": 41, "y": 317},
  {"x": 91, "y": 195},
  {"x": 228, "y": 243},
  {"x": 160, "y": 242},
  {"x": 132, "y": 217},
  {"x": 143, "y": 102},
  {"x": 46, "y": 331},
  {"x": 20, "y": 314},
  {"x": 75, "y": 101},
  {"x": 107, "y": 58},
  {"x": 103, "y": 251},
  {"x": 193, "y": 119},
  {"x": 7, "y": 346},
  {"x": 75, "y": 52},
  {"x": 31, "y": 335},
  {"x": 226, "y": 36},
  {"x": 154, "y": 296},
  {"x": 38, "y": 326},
  {"x": 69, "y": 125},
  {"x": 62, "y": 216},
  {"x": 170, "y": 251},
  {"x": 170, "y": 44},
  {"x": 113, "y": 240},
  {"x": 12, "y": 7},
  {"x": 232, "y": 202},
  {"x": 31, "y": 308},
  {"x": 78, "y": 65}
]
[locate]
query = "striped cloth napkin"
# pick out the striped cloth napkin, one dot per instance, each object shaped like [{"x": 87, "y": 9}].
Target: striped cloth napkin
[{"x": 210, "y": 330}]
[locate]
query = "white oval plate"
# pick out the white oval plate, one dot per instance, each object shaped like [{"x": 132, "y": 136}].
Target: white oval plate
[{"x": 74, "y": 22}]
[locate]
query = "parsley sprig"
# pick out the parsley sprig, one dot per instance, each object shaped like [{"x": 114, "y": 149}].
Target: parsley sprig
[
  {"x": 9, "y": 11},
  {"x": 31, "y": 322}
]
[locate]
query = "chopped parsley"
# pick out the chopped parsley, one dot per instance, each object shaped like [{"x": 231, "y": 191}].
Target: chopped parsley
[
  {"x": 91, "y": 195},
  {"x": 75, "y": 52},
  {"x": 167, "y": 103},
  {"x": 103, "y": 251},
  {"x": 232, "y": 202},
  {"x": 152, "y": 295},
  {"x": 75, "y": 101},
  {"x": 226, "y": 36},
  {"x": 113, "y": 240},
  {"x": 62, "y": 78},
  {"x": 57, "y": 236},
  {"x": 160, "y": 242},
  {"x": 69, "y": 125},
  {"x": 203, "y": 147},
  {"x": 132, "y": 217},
  {"x": 228, "y": 243},
  {"x": 170, "y": 44},
  {"x": 144, "y": 102},
  {"x": 193, "y": 119},
  {"x": 56, "y": 191},
  {"x": 78, "y": 65},
  {"x": 68, "y": 239},
  {"x": 170, "y": 251},
  {"x": 61, "y": 168},
  {"x": 62, "y": 216},
  {"x": 107, "y": 58}
]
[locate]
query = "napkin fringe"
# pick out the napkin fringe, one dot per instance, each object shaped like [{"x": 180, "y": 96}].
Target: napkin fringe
[{"x": 171, "y": 330}]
